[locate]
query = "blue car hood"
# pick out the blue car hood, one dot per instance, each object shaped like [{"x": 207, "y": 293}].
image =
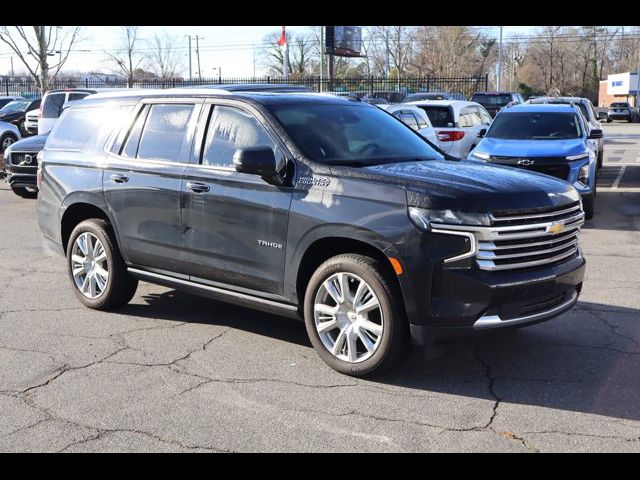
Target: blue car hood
[{"x": 531, "y": 148}]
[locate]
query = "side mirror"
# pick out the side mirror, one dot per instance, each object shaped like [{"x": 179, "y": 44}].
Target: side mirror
[
  {"x": 259, "y": 161},
  {"x": 602, "y": 115},
  {"x": 595, "y": 133},
  {"x": 482, "y": 133}
]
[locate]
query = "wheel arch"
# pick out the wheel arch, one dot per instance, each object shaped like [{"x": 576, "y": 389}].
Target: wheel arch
[{"x": 76, "y": 212}]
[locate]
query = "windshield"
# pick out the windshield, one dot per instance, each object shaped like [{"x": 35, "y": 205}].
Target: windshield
[
  {"x": 492, "y": 100},
  {"x": 535, "y": 126},
  {"x": 414, "y": 97},
  {"x": 619, "y": 105},
  {"x": 17, "y": 106},
  {"x": 353, "y": 134}
]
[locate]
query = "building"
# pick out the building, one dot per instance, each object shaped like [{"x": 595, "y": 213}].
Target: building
[{"x": 619, "y": 87}]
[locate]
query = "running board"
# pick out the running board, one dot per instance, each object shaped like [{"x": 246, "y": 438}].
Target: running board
[{"x": 217, "y": 293}]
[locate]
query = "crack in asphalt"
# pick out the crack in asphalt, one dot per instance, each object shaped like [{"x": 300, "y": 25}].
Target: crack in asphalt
[
  {"x": 576, "y": 434},
  {"x": 496, "y": 405}
]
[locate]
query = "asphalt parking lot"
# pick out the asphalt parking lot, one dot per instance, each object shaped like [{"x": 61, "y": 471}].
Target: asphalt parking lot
[{"x": 174, "y": 372}]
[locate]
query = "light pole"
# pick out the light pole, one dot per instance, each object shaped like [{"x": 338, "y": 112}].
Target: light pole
[
  {"x": 498, "y": 83},
  {"x": 198, "y": 55},
  {"x": 190, "y": 70}
]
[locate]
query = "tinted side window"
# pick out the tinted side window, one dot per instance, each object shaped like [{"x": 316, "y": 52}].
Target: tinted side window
[
  {"x": 53, "y": 105},
  {"x": 439, "y": 116},
  {"x": 466, "y": 119},
  {"x": 85, "y": 128},
  {"x": 76, "y": 96},
  {"x": 422, "y": 121},
  {"x": 164, "y": 132},
  {"x": 133, "y": 139},
  {"x": 230, "y": 129}
]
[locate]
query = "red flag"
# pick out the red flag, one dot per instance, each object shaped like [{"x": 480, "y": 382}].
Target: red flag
[{"x": 283, "y": 39}]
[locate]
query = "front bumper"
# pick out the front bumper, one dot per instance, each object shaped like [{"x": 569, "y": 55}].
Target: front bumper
[
  {"x": 465, "y": 301},
  {"x": 619, "y": 116},
  {"x": 21, "y": 179}
]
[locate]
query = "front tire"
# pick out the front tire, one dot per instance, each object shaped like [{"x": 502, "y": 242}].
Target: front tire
[
  {"x": 97, "y": 271},
  {"x": 25, "y": 192},
  {"x": 600, "y": 158},
  {"x": 6, "y": 140},
  {"x": 353, "y": 316},
  {"x": 589, "y": 205}
]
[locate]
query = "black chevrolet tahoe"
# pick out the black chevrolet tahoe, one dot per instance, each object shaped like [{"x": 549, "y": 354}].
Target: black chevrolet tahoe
[{"x": 317, "y": 207}]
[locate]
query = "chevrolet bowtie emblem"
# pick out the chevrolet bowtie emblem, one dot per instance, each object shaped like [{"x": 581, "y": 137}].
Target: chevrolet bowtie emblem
[
  {"x": 525, "y": 162},
  {"x": 555, "y": 228}
]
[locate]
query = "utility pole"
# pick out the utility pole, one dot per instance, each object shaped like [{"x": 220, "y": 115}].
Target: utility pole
[
  {"x": 12, "y": 74},
  {"x": 190, "y": 69},
  {"x": 499, "y": 62},
  {"x": 322, "y": 59},
  {"x": 198, "y": 55},
  {"x": 638, "y": 82},
  {"x": 254, "y": 60}
]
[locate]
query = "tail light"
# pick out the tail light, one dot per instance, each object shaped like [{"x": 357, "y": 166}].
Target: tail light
[{"x": 450, "y": 135}]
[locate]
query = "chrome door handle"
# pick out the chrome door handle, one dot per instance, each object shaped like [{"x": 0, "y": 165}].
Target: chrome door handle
[
  {"x": 119, "y": 178},
  {"x": 196, "y": 187}
]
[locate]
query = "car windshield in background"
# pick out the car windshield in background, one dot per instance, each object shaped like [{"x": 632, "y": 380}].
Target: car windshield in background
[
  {"x": 535, "y": 126},
  {"x": 17, "y": 106},
  {"x": 619, "y": 105},
  {"x": 351, "y": 135},
  {"x": 414, "y": 97},
  {"x": 492, "y": 100},
  {"x": 439, "y": 116}
]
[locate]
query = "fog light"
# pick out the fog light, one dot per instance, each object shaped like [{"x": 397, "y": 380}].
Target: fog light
[{"x": 583, "y": 175}]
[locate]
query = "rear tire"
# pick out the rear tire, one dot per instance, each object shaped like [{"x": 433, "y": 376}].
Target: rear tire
[
  {"x": 25, "y": 192},
  {"x": 366, "y": 340},
  {"x": 105, "y": 281}
]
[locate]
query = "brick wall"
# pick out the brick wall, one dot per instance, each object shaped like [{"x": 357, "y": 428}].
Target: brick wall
[{"x": 604, "y": 100}]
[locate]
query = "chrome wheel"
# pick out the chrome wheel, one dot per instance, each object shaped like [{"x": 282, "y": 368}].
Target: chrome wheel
[
  {"x": 348, "y": 317},
  {"x": 7, "y": 142},
  {"x": 89, "y": 265}
]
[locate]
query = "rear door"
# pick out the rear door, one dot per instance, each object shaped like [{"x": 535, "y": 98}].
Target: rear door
[
  {"x": 235, "y": 224},
  {"x": 142, "y": 181}
]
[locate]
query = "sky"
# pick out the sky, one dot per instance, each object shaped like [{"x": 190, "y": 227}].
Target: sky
[{"x": 232, "y": 49}]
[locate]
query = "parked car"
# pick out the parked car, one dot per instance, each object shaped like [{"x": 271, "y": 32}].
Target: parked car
[
  {"x": 9, "y": 134},
  {"x": 53, "y": 101},
  {"x": 311, "y": 206},
  {"x": 493, "y": 102},
  {"x": 375, "y": 100},
  {"x": 620, "y": 111},
  {"x": 31, "y": 122},
  {"x": 457, "y": 124},
  {"x": 21, "y": 165},
  {"x": 550, "y": 139},
  {"x": 6, "y": 99},
  {"x": 414, "y": 97},
  {"x": 588, "y": 111},
  {"x": 388, "y": 95},
  {"x": 416, "y": 118},
  {"x": 15, "y": 112}
]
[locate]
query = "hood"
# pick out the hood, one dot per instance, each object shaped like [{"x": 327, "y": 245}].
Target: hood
[
  {"x": 30, "y": 144},
  {"x": 4, "y": 126},
  {"x": 531, "y": 148},
  {"x": 472, "y": 186}
]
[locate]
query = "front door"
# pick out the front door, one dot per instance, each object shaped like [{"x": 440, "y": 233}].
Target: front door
[
  {"x": 142, "y": 182},
  {"x": 235, "y": 224}
]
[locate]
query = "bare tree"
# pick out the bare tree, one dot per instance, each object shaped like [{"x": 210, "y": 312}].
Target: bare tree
[
  {"x": 34, "y": 49},
  {"x": 164, "y": 60},
  {"x": 128, "y": 58},
  {"x": 449, "y": 51}
]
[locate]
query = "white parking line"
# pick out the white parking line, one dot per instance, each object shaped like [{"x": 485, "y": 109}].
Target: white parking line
[{"x": 618, "y": 178}]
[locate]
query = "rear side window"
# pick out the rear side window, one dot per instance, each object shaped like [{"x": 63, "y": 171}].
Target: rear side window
[
  {"x": 85, "y": 128},
  {"x": 77, "y": 96},
  {"x": 164, "y": 132},
  {"x": 230, "y": 129},
  {"x": 53, "y": 105},
  {"x": 409, "y": 119},
  {"x": 439, "y": 116}
]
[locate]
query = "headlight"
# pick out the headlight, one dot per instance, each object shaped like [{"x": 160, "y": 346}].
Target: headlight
[
  {"x": 423, "y": 217},
  {"x": 480, "y": 155},
  {"x": 578, "y": 157},
  {"x": 583, "y": 175}
]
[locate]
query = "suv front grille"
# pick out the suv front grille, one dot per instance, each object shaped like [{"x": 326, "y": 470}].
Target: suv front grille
[
  {"x": 526, "y": 239},
  {"x": 553, "y": 166}
]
